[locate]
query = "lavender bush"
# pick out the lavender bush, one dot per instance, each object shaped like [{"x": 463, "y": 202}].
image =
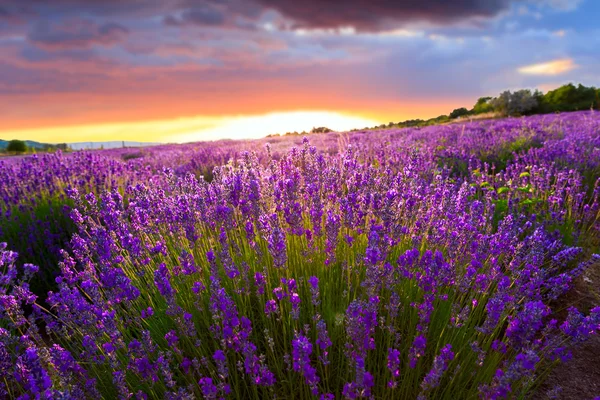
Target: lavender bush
[{"x": 424, "y": 263}]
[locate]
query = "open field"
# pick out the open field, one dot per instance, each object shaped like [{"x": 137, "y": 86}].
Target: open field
[{"x": 449, "y": 262}]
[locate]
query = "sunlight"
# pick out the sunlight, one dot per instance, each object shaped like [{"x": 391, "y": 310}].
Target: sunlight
[
  {"x": 257, "y": 126},
  {"x": 199, "y": 128}
]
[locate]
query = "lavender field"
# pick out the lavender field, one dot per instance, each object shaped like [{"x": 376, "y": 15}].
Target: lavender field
[{"x": 428, "y": 263}]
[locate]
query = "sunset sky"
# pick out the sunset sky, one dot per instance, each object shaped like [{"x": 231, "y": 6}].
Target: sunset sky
[{"x": 188, "y": 70}]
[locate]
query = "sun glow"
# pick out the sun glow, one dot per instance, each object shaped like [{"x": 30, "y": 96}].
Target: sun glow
[
  {"x": 256, "y": 126},
  {"x": 200, "y": 128}
]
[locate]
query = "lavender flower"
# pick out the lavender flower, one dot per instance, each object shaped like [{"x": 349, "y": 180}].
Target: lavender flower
[{"x": 301, "y": 351}]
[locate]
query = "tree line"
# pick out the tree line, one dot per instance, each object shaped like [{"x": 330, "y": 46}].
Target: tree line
[
  {"x": 20, "y": 146},
  {"x": 566, "y": 98}
]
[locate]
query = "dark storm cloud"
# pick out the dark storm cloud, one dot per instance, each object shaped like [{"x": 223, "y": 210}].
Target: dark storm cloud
[
  {"x": 374, "y": 14},
  {"x": 365, "y": 15}
]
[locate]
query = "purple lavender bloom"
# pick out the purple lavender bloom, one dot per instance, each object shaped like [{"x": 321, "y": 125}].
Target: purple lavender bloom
[
  {"x": 417, "y": 350},
  {"x": 270, "y": 307},
  {"x": 314, "y": 290},
  {"x": 147, "y": 313},
  {"x": 188, "y": 265},
  {"x": 301, "y": 351},
  {"x": 171, "y": 338},
  {"x": 221, "y": 360},
  {"x": 362, "y": 384},
  {"x": 259, "y": 280},
  {"x": 208, "y": 388},
  {"x": 161, "y": 280},
  {"x": 522, "y": 328},
  {"x": 579, "y": 327},
  {"x": 323, "y": 341},
  {"x": 121, "y": 384},
  {"x": 197, "y": 287},
  {"x": 393, "y": 364},
  {"x": 440, "y": 364},
  {"x": 332, "y": 229},
  {"x": 277, "y": 243},
  {"x": 290, "y": 283},
  {"x": 279, "y": 293},
  {"x": 295, "y": 301},
  {"x": 32, "y": 375},
  {"x": 361, "y": 320}
]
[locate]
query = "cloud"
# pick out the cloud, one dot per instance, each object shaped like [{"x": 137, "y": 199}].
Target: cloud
[
  {"x": 199, "y": 15},
  {"x": 76, "y": 33},
  {"x": 370, "y": 15},
  {"x": 15, "y": 15},
  {"x": 550, "y": 68}
]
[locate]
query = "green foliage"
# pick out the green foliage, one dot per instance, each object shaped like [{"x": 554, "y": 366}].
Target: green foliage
[
  {"x": 482, "y": 106},
  {"x": 501, "y": 157},
  {"x": 16, "y": 146},
  {"x": 48, "y": 228},
  {"x": 459, "y": 112},
  {"x": 570, "y": 98},
  {"x": 520, "y": 102}
]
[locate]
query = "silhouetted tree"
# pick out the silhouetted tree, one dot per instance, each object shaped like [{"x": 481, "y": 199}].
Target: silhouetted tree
[
  {"x": 17, "y": 146},
  {"x": 321, "y": 129}
]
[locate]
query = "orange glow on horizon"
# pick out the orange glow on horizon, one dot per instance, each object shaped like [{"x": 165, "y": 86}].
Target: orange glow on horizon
[
  {"x": 88, "y": 127},
  {"x": 199, "y": 128}
]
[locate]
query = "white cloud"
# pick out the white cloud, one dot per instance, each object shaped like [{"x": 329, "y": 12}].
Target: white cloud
[{"x": 555, "y": 67}]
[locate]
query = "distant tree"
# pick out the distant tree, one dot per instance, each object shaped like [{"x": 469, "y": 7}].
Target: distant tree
[
  {"x": 483, "y": 106},
  {"x": 500, "y": 104},
  {"x": 62, "y": 146},
  {"x": 16, "y": 146},
  {"x": 439, "y": 119},
  {"x": 459, "y": 112},
  {"x": 569, "y": 98},
  {"x": 522, "y": 102},
  {"x": 321, "y": 129},
  {"x": 518, "y": 103}
]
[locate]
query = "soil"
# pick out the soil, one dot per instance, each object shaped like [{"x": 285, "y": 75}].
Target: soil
[{"x": 578, "y": 378}]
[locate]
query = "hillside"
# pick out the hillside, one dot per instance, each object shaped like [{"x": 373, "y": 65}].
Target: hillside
[
  {"x": 30, "y": 144},
  {"x": 115, "y": 144}
]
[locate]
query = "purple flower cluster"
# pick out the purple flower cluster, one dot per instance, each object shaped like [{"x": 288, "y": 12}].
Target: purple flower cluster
[{"x": 415, "y": 263}]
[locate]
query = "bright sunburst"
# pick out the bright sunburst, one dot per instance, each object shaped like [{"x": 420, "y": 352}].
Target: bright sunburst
[
  {"x": 200, "y": 128},
  {"x": 256, "y": 126}
]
